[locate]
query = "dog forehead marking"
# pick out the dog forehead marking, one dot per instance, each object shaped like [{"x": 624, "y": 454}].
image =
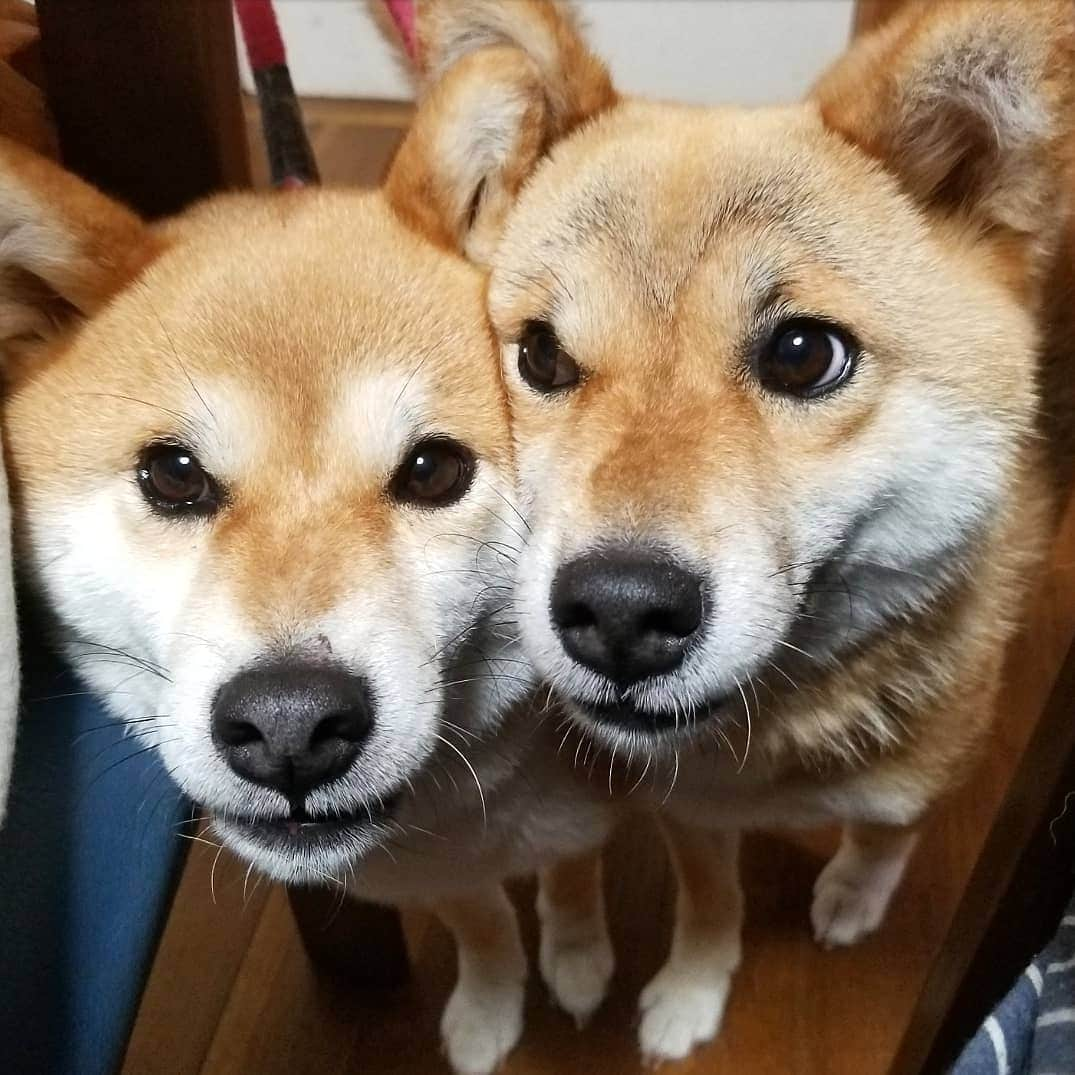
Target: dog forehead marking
[{"x": 381, "y": 413}]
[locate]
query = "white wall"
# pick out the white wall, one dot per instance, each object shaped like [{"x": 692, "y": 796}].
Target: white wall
[{"x": 739, "y": 51}]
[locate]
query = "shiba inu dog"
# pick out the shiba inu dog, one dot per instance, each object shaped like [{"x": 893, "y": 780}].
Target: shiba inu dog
[
  {"x": 774, "y": 384},
  {"x": 263, "y": 478}
]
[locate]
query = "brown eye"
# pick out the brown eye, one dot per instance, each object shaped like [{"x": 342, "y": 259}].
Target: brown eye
[
  {"x": 543, "y": 363},
  {"x": 172, "y": 480},
  {"x": 437, "y": 473},
  {"x": 805, "y": 358}
]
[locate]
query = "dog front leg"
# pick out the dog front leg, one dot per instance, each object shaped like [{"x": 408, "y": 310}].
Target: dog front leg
[
  {"x": 484, "y": 1016},
  {"x": 576, "y": 956},
  {"x": 853, "y": 891},
  {"x": 684, "y": 1004}
]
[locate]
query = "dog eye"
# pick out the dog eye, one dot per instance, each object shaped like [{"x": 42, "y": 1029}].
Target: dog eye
[
  {"x": 172, "y": 480},
  {"x": 437, "y": 473},
  {"x": 543, "y": 363},
  {"x": 805, "y": 358}
]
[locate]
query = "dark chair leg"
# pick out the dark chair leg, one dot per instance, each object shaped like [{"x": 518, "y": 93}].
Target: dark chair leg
[
  {"x": 145, "y": 95},
  {"x": 361, "y": 943}
]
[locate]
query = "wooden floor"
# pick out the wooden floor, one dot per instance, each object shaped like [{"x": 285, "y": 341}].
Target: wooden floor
[
  {"x": 232, "y": 991},
  {"x": 352, "y": 141}
]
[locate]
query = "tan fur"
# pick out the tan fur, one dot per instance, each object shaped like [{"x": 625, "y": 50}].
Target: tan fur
[
  {"x": 458, "y": 207},
  {"x": 65, "y": 238},
  {"x": 575, "y": 955},
  {"x": 675, "y": 315},
  {"x": 163, "y": 341},
  {"x": 572, "y": 886},
  {"x": 706, "y": 948},
  {"x": 575, "y": 81},
  {"x": 667, "y": 311},
  {"x": 1008, "y": 170},
  {"x": 457, "y": 174},
  {"x": 301, "y": 347},
  {"x": 919, "y": 198}
]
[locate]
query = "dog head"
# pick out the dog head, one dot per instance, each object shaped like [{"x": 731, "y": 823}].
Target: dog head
[
  {"x": 263, "y": 476},
  {"x": 772, "y": 371}
]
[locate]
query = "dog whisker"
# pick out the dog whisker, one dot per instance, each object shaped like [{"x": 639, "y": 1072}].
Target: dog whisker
[
  {"x": 723, "y": 736},
  {"x": 470, "y": 768},
  {"x": 675, "y": 777},
  {"x": 124, "y": 740},
  {"x": 184, "y": 419},
  {"x": 582, "y": 740},
  {"x": 638, "y": 783}
]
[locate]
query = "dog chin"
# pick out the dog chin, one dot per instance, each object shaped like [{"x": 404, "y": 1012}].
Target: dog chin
[
  {"x": 307, "y": 850},
  {"x": 626, "y": 721}
]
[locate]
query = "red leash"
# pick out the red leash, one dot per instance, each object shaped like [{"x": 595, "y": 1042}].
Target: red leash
[
  {"x": 291, "y": 160},
  {"x": 401, "y": 12}
]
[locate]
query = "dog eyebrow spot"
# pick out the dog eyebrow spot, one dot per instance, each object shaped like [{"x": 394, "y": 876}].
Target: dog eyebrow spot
[
  {"x": 539, "y": 280},
  {"x": 769, "y": 296}
]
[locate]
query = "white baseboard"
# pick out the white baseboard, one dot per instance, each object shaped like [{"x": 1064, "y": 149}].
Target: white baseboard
[{"x": 707, "y": 51}]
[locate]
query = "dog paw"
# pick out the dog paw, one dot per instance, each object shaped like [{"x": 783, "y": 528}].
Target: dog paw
[
  {"x": 681, "y": 1008},
  {"x": 480, "y": 1028},
  {"x": 577, "y": 971},
  {"x": 848, "y": 905}
]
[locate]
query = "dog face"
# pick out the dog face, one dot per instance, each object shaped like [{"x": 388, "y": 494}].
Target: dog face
[
  {"x": 771, "y": 371},
  {"x": 266, "y": 485},
  {"x": 762, "y": 406}
]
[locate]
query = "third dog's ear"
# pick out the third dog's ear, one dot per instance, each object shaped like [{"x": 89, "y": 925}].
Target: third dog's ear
[
  {"x": 500, "y": 82},
  {"x": 968, "y": 103}
]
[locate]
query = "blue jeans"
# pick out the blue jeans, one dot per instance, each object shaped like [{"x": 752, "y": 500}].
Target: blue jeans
[{"x": 89, "y": 858}]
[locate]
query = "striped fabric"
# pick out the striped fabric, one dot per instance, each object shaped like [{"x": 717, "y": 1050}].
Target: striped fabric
[{"x": 1032, "y": 1030}]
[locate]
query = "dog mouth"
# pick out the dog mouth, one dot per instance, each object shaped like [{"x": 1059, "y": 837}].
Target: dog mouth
[
  {"x": 628, "y": 716},
  {"x": 300, "y": 831}
]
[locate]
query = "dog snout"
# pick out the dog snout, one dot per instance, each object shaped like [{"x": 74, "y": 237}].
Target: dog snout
[
  {"x": 292, "y": 727},
  {"x": 626, "y": 614}
]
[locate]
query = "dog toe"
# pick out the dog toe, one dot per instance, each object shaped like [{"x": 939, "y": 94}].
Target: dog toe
[
  {"x": 577, "y": 973},
  {"x": 680, "y": 1010},
  {"x": 479, "y": 1029},
  {"x": 845, "y": 910}
]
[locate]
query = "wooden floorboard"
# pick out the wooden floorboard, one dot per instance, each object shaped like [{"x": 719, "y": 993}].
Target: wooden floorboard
[
  {"x": 214, "y": 916},
  {"x": 795, "y": 1010}
]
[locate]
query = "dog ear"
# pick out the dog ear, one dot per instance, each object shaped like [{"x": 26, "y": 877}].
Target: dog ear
[
  {"x": 969, "y": 103},
  {"x": 65, "y": 248},
  {"x": 499, "y": 83}
]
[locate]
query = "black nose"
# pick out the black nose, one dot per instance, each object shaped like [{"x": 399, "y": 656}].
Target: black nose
[
  {"x": 292, "y": 726},
  {"x": 625, "y": 613}
]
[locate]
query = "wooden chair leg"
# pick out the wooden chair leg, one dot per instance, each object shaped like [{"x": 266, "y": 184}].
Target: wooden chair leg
[
  {"x": 145, "y": 96},
  {"x": 360, "y": 943}
]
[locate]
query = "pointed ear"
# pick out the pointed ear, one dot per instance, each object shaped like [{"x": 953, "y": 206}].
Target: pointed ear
[
  {"x": 576, "y": 81},
  {"x": 500, "y": 83},
  {"x": 968, "y": 102},
  {"x": 65, "y": 248}
]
